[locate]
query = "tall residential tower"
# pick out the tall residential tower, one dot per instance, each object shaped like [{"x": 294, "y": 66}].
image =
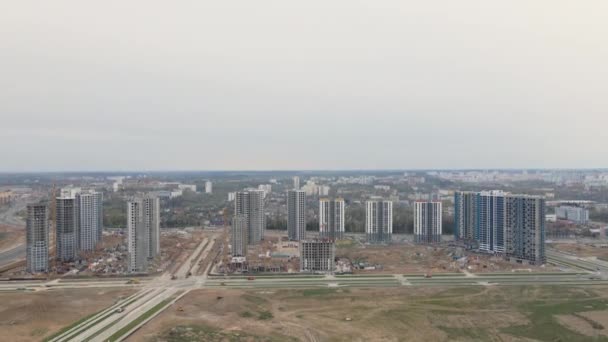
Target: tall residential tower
[
  {"x": 143, "y": 232},
  {"x": 331, "y": 218},
  {"x": 502, "y": 223},
  {"x": 427, "y": 222},
  {"x": 379, "y": 221},
  {"x": 250, "y": 204},
  {"x": 296, "y": 215},
  {"x": 37, "y": 238}
]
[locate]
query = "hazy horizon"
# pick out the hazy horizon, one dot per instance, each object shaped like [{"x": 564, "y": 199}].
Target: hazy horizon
[{"x": 332, "y": 85}]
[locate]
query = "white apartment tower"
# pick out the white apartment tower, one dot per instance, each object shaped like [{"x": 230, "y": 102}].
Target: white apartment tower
[
  {"x": 379, "y": 221},
  {"x": 90, "y": 211},
  {"x": 250, "y": 204},
  {"x": 331, "y": 218},
  {"x": 37, "y": 231},
  {"x": 296, "y": 215},
  {"x": 427, "y": 222},
  {"x": 296, "y": 183},
  {"x": 208, "y": 187},
  {"x": 143, "y": 232}
]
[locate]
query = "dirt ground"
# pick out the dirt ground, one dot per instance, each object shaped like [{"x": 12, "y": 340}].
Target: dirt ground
[
  {"x": 10, "y": 236},
  {"x": 32, "y": 316},
  {"x": 412, "y": 314},
  {"x": 411, "y": 258},
  {"x": 582, "y": 250}
]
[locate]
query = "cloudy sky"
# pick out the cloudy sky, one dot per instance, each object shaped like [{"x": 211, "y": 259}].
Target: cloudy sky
[{"x": 260, "y": 85}]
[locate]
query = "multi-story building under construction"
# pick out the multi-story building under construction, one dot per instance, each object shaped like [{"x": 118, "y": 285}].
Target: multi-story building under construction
[
  {"x": 37, "y": 238},
  {"x": 239, "y": 236},
  {"x": 317, "y": 256}
]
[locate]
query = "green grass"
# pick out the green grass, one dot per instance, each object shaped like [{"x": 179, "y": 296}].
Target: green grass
[
  {"x": 139, "y": 319},
  {"x": 543, "y": 323},
  {"x": 321, "y": 292}
]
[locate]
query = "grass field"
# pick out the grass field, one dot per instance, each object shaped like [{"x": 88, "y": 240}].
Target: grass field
[{"x": 548, "y": 313}]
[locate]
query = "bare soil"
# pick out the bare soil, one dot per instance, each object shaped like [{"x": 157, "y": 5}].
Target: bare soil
[{"x": 32, "y": 316}]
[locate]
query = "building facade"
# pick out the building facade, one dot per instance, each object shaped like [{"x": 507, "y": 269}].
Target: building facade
[
  {"x": 502, "y": 223},
  {"x": 427, "y": 221},
  {"x": 143, "y": 232},
  {"x": 37, "y": 238},
  {"x": 250, "y": 204},
  {"x": 296, "y": 183},
  {"x": 577, "y": 215},
  {"x": 525, "y": 229},
  {"x": 90, "y": 220},
  {"x": 240, "y": 237},
  {"x": 379, "y": 221},
  {"x": 317, "y": 256},
  {"x": 331, "y": 218},
  {"x": 208, "y": 187},
  {"x": 480, "y": 216},
  {"x": 67, "y": 236},
  {"x": 296, "y": 215}
]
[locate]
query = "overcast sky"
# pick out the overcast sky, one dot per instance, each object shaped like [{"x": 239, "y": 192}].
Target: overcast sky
[{"x": 262, "y": 85}]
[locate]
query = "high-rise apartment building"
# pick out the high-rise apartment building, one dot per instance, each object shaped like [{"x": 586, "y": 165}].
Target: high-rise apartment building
[
  {"x": 239, "y": 236},
  {"x": 525, "y": 229},
  {"x": 79, "y": 222},
  {"x": 379, "y": 221},
  {"x": 143, "y": 231},
  {"x": 67, "y": 236},
  {"x": 296, "y": 215},
  {"x": 317, "y": 256},
  {"x": 577, "y": 215},
  {"x": 208, "y": 187},
  {"x": 250, "y": 204},
  {"x": 37, "y": 238},
  {"x": 331, "y": 218},
  {"x": 427, "y": 222},
  {"x": 464, "y": 216},
  {"x": 90, "y": 211},
  {"x": 480, "y": 216},
  {"x": 501, "y": 223},
  {"x": 296, "y": 183}
]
